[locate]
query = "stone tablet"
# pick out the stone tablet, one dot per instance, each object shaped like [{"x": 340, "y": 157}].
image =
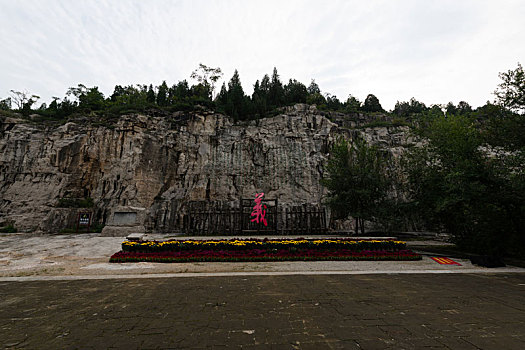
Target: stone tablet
[{"x": 124, "y": 218}]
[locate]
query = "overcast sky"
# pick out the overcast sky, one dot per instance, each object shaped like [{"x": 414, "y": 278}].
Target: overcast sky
[{"x": 436, "y": 51}]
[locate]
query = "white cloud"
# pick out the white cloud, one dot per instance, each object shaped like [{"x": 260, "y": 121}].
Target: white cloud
[{"x": 436, "y": 51}]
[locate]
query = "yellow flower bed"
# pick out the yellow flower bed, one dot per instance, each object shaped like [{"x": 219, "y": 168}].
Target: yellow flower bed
[{"x": 242, "y": 244}]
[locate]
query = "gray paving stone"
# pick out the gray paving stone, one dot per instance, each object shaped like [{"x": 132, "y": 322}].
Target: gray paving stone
[{"x": 264, "y": 312}]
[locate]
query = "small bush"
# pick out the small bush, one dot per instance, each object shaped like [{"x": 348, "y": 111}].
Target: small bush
[
  {"x": 8, "y": 229},
  {"x": 96, "y": 228}
]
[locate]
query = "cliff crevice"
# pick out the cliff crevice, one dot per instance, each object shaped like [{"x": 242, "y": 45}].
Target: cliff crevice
[{"x": 163, "y": 163}]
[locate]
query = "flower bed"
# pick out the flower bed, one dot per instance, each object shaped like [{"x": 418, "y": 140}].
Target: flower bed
[
  {"x": 247, "y": 244},
  {"x": 262, "y": 250},
  {"x": 261, "y": 255}
]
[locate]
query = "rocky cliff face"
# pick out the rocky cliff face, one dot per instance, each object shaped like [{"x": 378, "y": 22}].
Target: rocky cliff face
[{"x": 161, "y": 164}]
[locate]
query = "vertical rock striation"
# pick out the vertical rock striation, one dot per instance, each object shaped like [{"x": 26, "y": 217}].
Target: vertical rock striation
[{"x": 163, "y": 163}]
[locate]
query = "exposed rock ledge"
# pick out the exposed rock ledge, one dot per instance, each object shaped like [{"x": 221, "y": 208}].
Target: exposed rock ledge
[{"x": 161, "y": 164}]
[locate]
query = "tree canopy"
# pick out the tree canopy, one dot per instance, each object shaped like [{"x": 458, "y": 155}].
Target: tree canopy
[
  {"x": 207, "y": 77},
  {"x": 511, "y": 91},
  {"x": 269, "y": 95},
  {"x": 372, "y": 104},
  {"x": 356, "y": 179},
  {"x": 458, "y": 182}
]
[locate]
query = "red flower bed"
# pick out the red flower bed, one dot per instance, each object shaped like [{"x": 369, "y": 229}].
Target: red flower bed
[
  {"x": 261, "y": 255},
  {"x": 269, "y": 244}
]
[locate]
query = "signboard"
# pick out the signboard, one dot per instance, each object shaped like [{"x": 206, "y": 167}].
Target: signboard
[{"x": 84, "y": 219}]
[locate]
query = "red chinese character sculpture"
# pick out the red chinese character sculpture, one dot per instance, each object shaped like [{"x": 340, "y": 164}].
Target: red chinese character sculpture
[{"x": 258, "y": 211}]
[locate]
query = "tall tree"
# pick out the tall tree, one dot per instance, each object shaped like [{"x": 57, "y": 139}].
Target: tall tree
[
  {"x": 162, "y": 94},
  {"x": 295, "y": 92},
  {"x": 23, "y": 100},
  {"x": 511, "y": 91},
  {"x": 181, "y": 91},
  {"x": 117, "y": 92},
  {"x": 207, "y": 76},
  {"x": 276, "y": 91},
  {"x": 313, "y": 88},
  {"x": 259, "y": 99},
  {"x": 372, "y": 104},
  {"x": 357, "y": 181},
  {"x": 78, "y": 91},
  {"x": 450, "y": 109},
  {"x": 151, "y": 97},
  {"x": 256, "y": 89},
  {"x": 333, "y": 103},
  {"x": 463, "y": 108},
  {"x": 402, "y": 109},
  {"x": 92, "y": 99},
  {"x": 222, "y": 97},
  {"x": 416, "y": 106},
  {"x": 265, "y": 86},
  {"x": 352, "y": 104},
  {"x": 5, "y": 104},
  {"x": 54, "y": 104},
  {"x": 314, "y": 95},
  {"x": 236, "y": 106}
]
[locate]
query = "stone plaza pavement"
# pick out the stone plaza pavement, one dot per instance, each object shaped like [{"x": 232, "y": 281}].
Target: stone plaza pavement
[
  {"x": 60, "y": 292},
  {"x": 331, "y": 311}
]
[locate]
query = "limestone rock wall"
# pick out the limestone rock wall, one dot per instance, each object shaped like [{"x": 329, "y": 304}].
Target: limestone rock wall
[{"x": 161, "y": 164}]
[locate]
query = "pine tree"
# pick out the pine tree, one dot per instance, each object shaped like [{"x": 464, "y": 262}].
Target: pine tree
[
  {"x": 265, "y": 85},
  {"x": 162, "y": 94},
  {"x": 259, "y": 100},
  {"x": 256, "y": 89},
  {"x": 222, "y": 98},
  {"x": 313, "y": 88},
  {"x": 181, "y": 90},
  {"x": 372, "y": 104},
  {"x": 295, "y": 92},
  {"x": 236, "y": 106},
  {"x": 276, "y": 91},
  {"x": 150, "y": 96},
  {"x": 352, "y": 104}
]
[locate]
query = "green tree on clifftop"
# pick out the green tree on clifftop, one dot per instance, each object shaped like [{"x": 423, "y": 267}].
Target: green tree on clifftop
[
  {"x": 236, "y": 105},
  {"x": 372, "y": 104},
  {"x": 162, "y": 94},
  {"x": 207, "y": 76},
  {"x": 511, "y": 91},
  {"x": 276, "y": 91}
]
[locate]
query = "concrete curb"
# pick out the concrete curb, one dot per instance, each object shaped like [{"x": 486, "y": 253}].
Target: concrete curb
[{"x": 267, "y": 273}]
